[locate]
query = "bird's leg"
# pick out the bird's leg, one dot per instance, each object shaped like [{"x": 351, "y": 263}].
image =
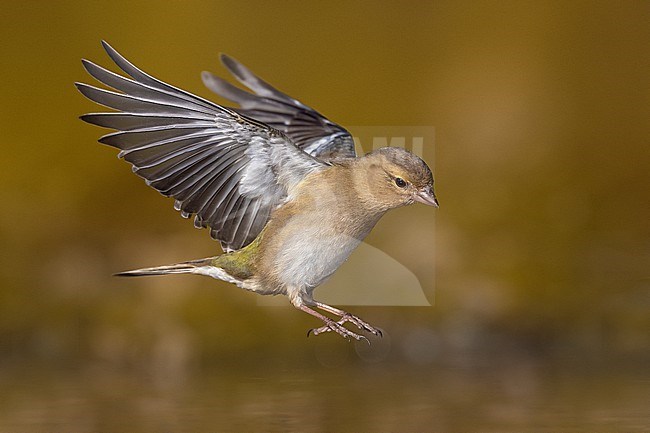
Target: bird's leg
[
  {"x": 347, "y": 317},
  {"x": 330, "y": 325}
]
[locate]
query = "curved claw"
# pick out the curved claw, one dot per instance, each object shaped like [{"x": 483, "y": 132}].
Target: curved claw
[
  {"x": 339, "y": 329},
  {"x": 364, "y": 326}
]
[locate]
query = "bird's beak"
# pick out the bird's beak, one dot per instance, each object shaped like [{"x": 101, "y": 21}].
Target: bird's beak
[{"x": 427, "y": 196}]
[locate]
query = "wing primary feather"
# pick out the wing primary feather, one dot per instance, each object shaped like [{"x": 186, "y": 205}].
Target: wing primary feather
[
  {"x": 192, "y": 146},
  {"x": 141, "y": 139},
  {"x": 250, "y": 80},
  {"x": 141, "y": 90},
  {"x": 122, "y": 102},
  {"x": 141, "y": 76},
  {"x": 122, "y": 121}
]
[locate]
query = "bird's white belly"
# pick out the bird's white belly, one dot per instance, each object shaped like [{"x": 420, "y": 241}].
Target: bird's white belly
[{"x": 306, "y": 259}]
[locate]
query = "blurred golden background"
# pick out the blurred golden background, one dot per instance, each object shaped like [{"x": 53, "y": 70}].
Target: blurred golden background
[{"x": 539, "y": 254}]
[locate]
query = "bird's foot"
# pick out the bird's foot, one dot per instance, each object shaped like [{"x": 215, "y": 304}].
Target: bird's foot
[
  {"x": 337, "y": 327},
  {"x": 364, "y": 326}
]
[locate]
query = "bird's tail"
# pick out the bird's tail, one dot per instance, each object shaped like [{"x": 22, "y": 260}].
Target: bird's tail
[{"x": 191, "y": 267}]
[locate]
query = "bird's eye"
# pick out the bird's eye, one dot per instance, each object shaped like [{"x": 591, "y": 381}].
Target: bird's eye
[{"x": 400, "y": 182}]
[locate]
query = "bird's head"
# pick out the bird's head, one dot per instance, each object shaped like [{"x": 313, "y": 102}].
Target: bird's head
[{"x": 396, "y": 177}]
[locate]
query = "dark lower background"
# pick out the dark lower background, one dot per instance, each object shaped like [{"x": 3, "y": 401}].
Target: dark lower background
[{"x": 536, "y": 263}]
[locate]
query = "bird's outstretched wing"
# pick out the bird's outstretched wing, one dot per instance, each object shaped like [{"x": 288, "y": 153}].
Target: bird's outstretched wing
[
  {"x": 307, "y": 128},
  {"x": 228, "y": 170}
]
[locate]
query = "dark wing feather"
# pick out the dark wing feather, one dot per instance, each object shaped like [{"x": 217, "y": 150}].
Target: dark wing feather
[
  {"x": 307, "y": 128},
  {"x": 228, "y": 170}
]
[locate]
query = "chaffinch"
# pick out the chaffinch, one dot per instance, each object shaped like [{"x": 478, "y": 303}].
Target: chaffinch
[{"x": 278, "y": 184}]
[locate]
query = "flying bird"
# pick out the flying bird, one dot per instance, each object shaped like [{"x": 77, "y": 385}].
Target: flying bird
[{"x": 278, "y": 185}]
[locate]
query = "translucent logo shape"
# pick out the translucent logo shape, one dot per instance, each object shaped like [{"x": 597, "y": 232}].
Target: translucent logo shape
[{"x": 369, "y": 278}]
